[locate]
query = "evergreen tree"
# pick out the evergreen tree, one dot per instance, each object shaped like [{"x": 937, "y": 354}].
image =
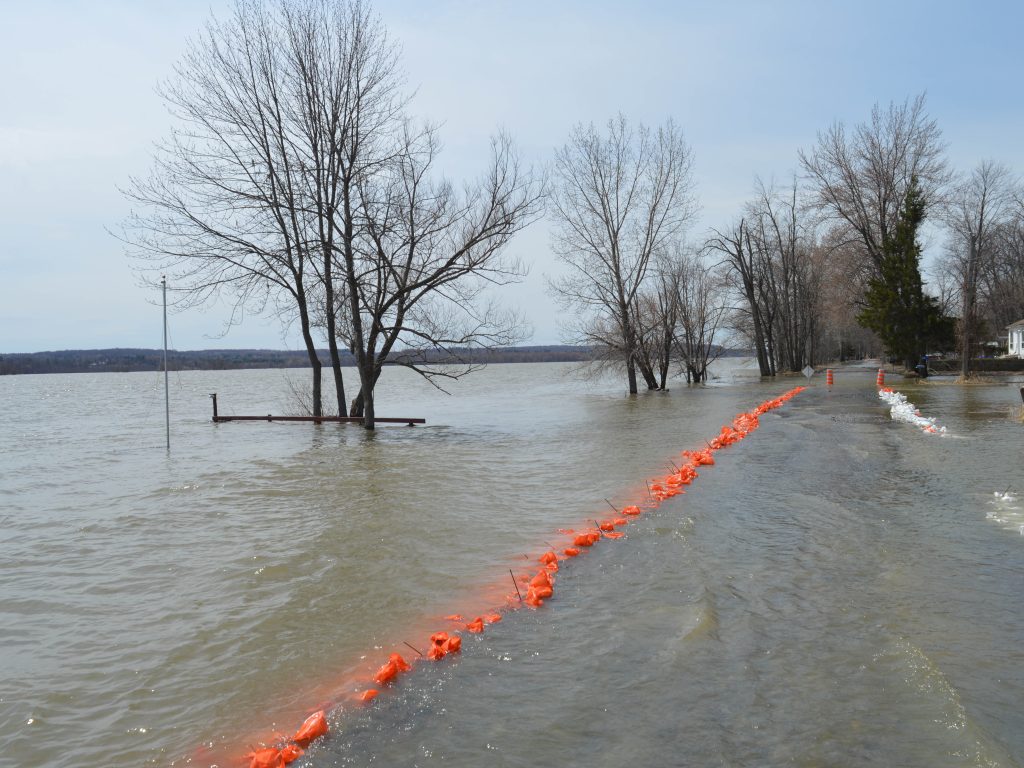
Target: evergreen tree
[{"x": 896, "y": 307}]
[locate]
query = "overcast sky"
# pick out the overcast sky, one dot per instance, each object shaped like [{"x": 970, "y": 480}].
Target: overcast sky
[{"x": 749, "y": 82}]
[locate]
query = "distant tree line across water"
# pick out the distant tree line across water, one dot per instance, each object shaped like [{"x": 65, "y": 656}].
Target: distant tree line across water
[{"x": 127, "y": 360}]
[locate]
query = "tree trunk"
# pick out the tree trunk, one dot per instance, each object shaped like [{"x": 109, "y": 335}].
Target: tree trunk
[
  {"x": 332, "y": 338},
  {"x": 314, "y": 360},
  {"x": 967, "y": 323},
  {"x": 339, "y": 382},
  {"x": 631, "y": 375},
  {"x": 648, "y": 373},
  {"x": 368, "y": 413},
  {"x": 318, "y": 402},
  {"x": 759, "y": 346}
]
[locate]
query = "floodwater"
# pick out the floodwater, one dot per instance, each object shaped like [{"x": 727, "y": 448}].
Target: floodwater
[{"x": 839, "y": 589}]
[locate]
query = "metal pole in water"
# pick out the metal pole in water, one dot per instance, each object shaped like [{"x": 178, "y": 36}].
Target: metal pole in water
[{"x": 167, "y": 393}]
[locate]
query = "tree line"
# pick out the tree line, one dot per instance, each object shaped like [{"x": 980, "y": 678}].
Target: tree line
[
  {"x": 127, "y": 360},
  {"x": 824, "y": 266},
  {"x": 297, "y": 182}
]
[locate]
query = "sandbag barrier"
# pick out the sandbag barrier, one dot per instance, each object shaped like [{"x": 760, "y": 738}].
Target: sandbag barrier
[
  {"x": 901, "y": 409},
  {"x": 540, "y": 584}
]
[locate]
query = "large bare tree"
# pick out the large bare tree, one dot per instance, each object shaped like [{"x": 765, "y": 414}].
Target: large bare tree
[
  {"x": 618, "y": 197},
  {"x": 229, "y": 210},
  {"x": 243, "y": 200},
  {"x": 977, "y": 210},
  {"x": 294, "y": 180},
  {"x": 742, "y": 262},
  {"x": 861, "y": 177},
  {"x": 785, "y": 243}
]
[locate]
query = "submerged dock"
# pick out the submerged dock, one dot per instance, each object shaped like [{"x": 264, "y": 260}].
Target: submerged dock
[{"x": 217, "y": 418}]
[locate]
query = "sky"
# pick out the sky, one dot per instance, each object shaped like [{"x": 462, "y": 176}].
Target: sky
[{"x": 750, "y": 83}]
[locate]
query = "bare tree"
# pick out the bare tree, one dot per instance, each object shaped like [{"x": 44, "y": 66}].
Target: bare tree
[
  {"x": 296, "y": 182},
  {"x": 419, "y": 270},
  {"x": 788, "y": 257},
  {"x": 701, "y": 310},
  {"x": 618, "y": 198},
  {"x": 1001, "y": 275},
  {"x": 746, "y": 273},
  {"x": 678, "y": 316},
  {"x": 656, "y": 318},
  {"x": 861, "y": 177},
  {"x": 352, "y": 106},
  {"x": 225, "y": 209},
  {"x": 244, "y": 198},
  {"x": 977, "y": 209}
]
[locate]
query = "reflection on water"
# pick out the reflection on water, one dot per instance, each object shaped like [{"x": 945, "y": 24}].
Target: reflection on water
[{"x": 838, "y": 589}]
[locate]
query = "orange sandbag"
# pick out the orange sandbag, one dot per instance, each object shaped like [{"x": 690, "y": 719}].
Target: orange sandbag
[
  {"x": 453, "y": 644},
  {"x": 543, "y": 591},
  {"x": 439, "y": 646},
  {"x": 266, "y": 758},
  {"x": 631, "y": 510},
  {"x": 571, "y": 551},
  {"x": 492, "y": 618},
  {"x": 400, "y": 663},
  {"x": 436, "y": 652},
  {"x": 606, "y": 526},
  {"x": 476, "y": 626},
  {"x": 532, "y": 599},
  {"x": 455, "y": 617},
  {"x": 620, "y": 521},
  {"x": 314, "y": 727},
  {"x": 541, "y": 578},
  {"x": 549, "y": 557},
  {"x": 368, "y": 695},
  {"x": 292, "y": 752},
  {"x": 387, "y": 673},
  {"x": 614, "y": 535},
  {"x": 586, "y": 539}
]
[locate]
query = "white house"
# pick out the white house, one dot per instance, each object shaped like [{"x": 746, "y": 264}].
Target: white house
[{"x": 1017, "y": 339}]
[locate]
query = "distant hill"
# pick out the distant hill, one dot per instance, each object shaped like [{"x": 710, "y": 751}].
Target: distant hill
[{"x": 124, "y": 360}]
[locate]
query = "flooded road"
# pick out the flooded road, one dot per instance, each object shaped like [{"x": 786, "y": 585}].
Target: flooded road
[{"x": 839, "y": 589}]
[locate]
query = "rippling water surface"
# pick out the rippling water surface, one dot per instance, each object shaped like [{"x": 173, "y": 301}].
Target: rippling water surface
[{"x": 838, "y": 590}]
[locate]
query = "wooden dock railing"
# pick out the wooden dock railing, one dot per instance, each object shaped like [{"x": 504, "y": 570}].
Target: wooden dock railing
[{"x": 217, "y": 418}]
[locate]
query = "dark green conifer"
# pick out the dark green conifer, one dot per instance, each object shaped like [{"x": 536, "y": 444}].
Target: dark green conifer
[{"x": 896, "y": 307}]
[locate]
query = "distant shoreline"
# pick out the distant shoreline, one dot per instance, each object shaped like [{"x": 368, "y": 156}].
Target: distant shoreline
[{"x": 130, "y": 360}]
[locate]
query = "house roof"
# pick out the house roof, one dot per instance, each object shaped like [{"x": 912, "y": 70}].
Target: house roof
[{"x": 1018, "y": 324}]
